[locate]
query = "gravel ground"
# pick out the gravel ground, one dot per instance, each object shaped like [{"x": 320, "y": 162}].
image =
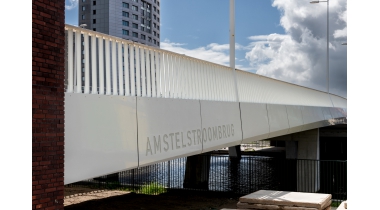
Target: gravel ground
[{"x": 114, "y": 199}]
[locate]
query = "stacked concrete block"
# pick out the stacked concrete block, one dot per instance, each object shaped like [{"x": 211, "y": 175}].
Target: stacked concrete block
[{"x": 282, "y": 200}]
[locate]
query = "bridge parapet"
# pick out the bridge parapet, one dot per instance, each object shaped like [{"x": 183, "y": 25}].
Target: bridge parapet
[{"x": 107, "y": 65}]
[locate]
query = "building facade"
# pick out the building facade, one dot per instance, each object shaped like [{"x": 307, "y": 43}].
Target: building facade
[{"x": 135, "y": 20}]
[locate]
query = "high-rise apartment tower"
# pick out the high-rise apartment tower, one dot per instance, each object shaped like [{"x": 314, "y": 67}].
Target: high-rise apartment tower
[{"x": 135, "y": 20}]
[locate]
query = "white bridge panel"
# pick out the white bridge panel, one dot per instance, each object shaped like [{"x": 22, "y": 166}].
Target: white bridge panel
[
  {"x": 295, "y": 118},
  {"x": 278, "y": 120},
  {"x": 221, "y": 125},
  {"x": 339, "y": 101},
  {"x": 167, "y": 129},
  {"x": 313, "y": 117},
  {"x": 100, "y": 135},
  {"x": 255, "y": 121}
]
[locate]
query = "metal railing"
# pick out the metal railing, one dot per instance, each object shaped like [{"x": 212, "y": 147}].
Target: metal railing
[
  {"x": 245, "y": 176},
  {"x": 102, "y": 64}
]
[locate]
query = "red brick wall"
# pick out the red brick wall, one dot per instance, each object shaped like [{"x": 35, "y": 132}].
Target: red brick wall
[{"x": 48, "y": 41}]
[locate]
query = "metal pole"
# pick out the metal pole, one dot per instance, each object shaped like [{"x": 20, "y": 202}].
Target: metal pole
[
  {"x": 328, "y": 71},
  {"x": 232, "y": 44}
]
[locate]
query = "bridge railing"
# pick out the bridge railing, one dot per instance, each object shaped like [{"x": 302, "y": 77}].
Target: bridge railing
[{"x": 102, "y": 64}]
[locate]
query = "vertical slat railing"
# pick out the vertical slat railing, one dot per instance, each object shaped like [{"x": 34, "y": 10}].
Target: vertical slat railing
[
  {"x": 114, "y": 69},
  {"x": 126, "y": 55},
  {"x": 108, "y": 67},
  {"x": 96, "y": 66},
  {"x": 165, "y": 75},
  {"x": 132, "y": 69},
  {"x": 70, "y": 61},
  {"x": 148, "y": 72},
  {"x": 78, "y": 54},
  {"x": 101, "y": 65},
  {"x": 155, "y": 75},
  {"x": 138, "y": 73},
  {"x": 120, "y": 67},
  {"x": 86, "y": 64},
  {"x": 143, "y": 78},
  {"x": 161, "y": 74},
  {"x": 94, "y": 75}
]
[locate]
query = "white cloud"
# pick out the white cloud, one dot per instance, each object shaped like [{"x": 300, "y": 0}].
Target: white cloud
[
  {"x": 71, "y": 4},
  {"x": 299, "y": 56}
]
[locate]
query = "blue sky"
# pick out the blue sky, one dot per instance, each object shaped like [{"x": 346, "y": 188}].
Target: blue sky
[{"x": 282, "y": 39}]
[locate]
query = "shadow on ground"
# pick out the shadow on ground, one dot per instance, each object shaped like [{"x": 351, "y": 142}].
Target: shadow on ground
[{"x": 170, "y": 200}]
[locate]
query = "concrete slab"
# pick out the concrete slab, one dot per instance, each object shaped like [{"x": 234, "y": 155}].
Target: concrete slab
[
  {"x": 342, "y": 206},
  {"x": 284, "y": 198},
  {"x": 241, "y": 205}
]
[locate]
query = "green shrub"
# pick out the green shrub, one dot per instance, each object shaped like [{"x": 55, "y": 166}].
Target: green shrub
[{"x": 153, "y": 188}]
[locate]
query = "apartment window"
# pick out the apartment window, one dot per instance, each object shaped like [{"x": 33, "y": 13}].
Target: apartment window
[
  {"x": 155, "y": 34},
  {"x": 142, "y": 12},
  {"x": 154, "y": 41},
  {"x": 125, "y": 5},
  {"x": 149, "y": 39},
  {"x": 154, "y": 25},
  {"x": 125, "y": 23},
  {"x": 94, "y": 29},
  {"x": 93, "y": 2},
  {"x": 158, "y": 11},
  {"x": 142, "y": 36},
  {"x": 154, "y": 16},
  {"x": 134, "y": 25},
  {"x": 93, "y": 21},
  {"x": 134, "y": 34},
  {"x": 83, "y": 0},
  {"x": 158, "y": 3},
  {"x": 158, "y": 43},
  {"x": 135, "y": 8},
  {"x": 94, "y": 12},
  {"x": 83, "y": 17},
  {"x": 158, "y": 35},
  {"x": 125, "y": 32},
  {"x": 83, "y": 8},
  {"x": 136, "y": 17},
  {"x": 158, "y": 19},
  {"x": 142, "y": 28},
  {"x": 125, "y": 14},
  {"x": 158, "y": 27},
  {"x": 155, "y": 1},
  {"x": 154, "y": 8},
  {"x": 142, "y": 20}
]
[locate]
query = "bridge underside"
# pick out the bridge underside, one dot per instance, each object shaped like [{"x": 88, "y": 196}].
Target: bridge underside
[{"x": 106, "y": 134}]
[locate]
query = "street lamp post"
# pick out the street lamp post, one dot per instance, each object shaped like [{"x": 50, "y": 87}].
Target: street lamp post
[
  {"x": 327, "y": 62},
  {"x": 232, "y": 45}
]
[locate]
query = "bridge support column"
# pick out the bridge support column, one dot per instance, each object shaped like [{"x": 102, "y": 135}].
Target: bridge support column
[
  {"x": 197, "y": 171},
  {"x": 234, "y": 152},
  {"x": 304, "y": 146}
]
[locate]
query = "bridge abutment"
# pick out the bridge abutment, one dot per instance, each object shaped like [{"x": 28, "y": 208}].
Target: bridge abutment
[
  {"x": 197, "y": 171},
  {"x": 234, "y": 152}
]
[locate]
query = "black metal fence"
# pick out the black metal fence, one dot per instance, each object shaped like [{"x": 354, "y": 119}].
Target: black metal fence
[{"x": 243, "y": 176}]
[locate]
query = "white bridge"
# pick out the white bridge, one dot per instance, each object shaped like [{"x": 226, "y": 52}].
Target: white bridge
[{"x": 129, "y": 105}]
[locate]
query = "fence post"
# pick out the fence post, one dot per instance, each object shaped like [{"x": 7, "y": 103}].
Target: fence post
[{"x": 169, "y": 174}]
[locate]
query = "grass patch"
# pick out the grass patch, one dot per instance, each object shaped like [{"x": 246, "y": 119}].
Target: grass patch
[{"x": 152, "y": 188}]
